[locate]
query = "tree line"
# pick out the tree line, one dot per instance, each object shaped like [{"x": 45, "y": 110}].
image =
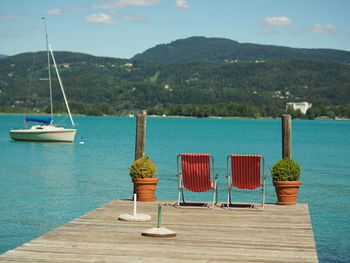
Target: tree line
[
  {"x": 249, "y": 111},
  {"x": 230, "y": 109}
]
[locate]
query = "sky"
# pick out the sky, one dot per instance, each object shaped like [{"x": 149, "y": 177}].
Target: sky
[{"x": 124, "y": 28}]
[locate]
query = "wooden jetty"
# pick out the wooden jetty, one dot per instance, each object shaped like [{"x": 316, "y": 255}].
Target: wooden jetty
[{"x": 276, "y": 234}]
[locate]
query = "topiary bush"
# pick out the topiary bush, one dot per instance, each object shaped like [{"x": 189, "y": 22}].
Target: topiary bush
[
  {"x": 143, "y": 168},
  {"x": 285, "y": 170}
]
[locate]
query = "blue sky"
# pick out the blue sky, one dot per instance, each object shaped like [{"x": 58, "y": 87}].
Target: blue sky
[{"x": 123, "y": 28}]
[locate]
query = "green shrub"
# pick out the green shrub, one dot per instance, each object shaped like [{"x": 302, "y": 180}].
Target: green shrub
[
  {"x": 285, "y": 170},
  {"x": 143, "y": 168}
]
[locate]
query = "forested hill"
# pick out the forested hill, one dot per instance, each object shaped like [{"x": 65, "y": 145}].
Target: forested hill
[
  {"x": 103, "y": 85},
  {"x": 221, "y": 49}
]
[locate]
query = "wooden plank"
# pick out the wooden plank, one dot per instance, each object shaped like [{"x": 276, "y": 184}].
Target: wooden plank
[{"x": 216, "y": 235}]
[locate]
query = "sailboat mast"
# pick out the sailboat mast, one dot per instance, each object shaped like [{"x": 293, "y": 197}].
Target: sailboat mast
[
  {"x": 48, "y": 66},
  {"x": 61, "y": 85}
]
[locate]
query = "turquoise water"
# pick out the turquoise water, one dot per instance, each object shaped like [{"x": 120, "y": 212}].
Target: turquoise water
[{"x": 45, "y": 185}]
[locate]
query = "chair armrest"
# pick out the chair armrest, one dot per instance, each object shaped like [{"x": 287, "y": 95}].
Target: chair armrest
[
  {"x": 215, "y": 183},
  {"x": 180, "y": 183}
]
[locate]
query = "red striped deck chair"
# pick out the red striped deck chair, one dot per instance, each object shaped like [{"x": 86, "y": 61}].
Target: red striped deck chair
[
  {"x": 245, "y": 172},
  {"x": 196, "y": 174}
]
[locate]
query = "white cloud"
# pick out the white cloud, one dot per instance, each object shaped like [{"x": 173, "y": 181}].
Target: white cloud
[
  {"x": 119, "y": 4},
  {"x": 320, "y": 29},
  {"x": 182, "y": 4},
  {"x": 8, "y": 18},
  {"x": 277, "y": 21},
  {"x": 100, "y": 18},
  {"x": 55, "y": 11}
]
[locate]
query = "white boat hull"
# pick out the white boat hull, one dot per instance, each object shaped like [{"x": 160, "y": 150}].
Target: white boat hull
[{"x": 44, "y": 133}]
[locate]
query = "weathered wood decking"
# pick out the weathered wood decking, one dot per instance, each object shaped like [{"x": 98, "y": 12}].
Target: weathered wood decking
[{"x": 203, "y": 235}]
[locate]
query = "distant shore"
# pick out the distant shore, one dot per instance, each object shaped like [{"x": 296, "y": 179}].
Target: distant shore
[{"x": 179, "y": 116}]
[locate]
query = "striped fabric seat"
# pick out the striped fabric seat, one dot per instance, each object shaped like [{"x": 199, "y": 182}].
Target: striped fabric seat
[
  {"x": 245, "y": 172},
  {"x": 196, "y": 174}
]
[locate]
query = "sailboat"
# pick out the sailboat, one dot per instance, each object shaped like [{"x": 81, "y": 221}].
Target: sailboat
[{"x": 46, "y": 131}]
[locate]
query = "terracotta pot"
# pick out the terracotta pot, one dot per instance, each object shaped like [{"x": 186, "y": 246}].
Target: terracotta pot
[
  {"x": 287, "y": 192},
  {"x": 145, "y": 188}
]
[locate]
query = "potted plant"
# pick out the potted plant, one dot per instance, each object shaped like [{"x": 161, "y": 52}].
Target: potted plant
[
  {"x": 142, "y": 172},
  {"x": 286, "y": 179}
]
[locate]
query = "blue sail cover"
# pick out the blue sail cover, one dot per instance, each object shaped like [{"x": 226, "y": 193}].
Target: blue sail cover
[{"x": 39, "y": 119}]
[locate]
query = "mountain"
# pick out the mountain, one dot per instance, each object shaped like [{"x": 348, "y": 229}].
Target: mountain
[
  {"x": 221, "y": 49},
  {"x": 103, "y": 85},
  {"x": 3, "y": 56}
]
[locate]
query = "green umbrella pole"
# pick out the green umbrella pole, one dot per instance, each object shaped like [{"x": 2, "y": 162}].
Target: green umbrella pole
[{"x": 159, "y": 215}]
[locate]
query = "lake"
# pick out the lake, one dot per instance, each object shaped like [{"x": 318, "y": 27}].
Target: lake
[{"x": 45, "y": 185}]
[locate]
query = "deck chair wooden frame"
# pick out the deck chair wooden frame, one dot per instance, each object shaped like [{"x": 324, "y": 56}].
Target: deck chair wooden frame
[
  {"x": 245, "y": 172},
  {"x": 196, "y": 173}
]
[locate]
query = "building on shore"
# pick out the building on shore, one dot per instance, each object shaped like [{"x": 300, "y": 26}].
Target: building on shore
[{"x": 302, "y": 106}]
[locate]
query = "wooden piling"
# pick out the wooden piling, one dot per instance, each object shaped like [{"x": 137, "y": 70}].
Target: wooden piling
[
  {"x": 286, "y": 137},
  {"x": 140, "y": 136}
]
